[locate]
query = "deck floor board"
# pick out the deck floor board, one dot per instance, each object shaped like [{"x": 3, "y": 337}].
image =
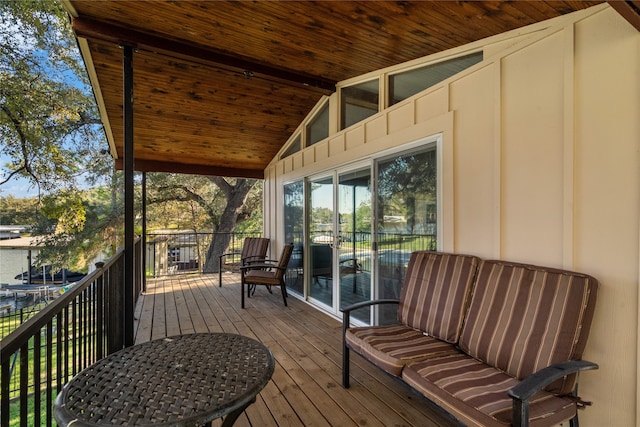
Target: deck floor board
[{"x": 305, "y": 389}]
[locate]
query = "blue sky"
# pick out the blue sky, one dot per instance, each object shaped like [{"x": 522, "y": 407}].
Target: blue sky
[{"x": 17, "y": 187}]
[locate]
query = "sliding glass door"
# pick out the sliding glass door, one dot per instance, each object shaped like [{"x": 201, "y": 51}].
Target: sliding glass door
[
  {"x": 355, "y": 228},
  {"x": 322, "y": 240},
  {"x": 354, "y": 242},
  {"x": 340, "y": 239},
  {"x": 406, "y": 217}
]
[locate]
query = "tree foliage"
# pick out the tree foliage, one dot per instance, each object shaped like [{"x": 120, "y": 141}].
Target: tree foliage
[
  {"x": 49, "y": 127},
  {"x": 18, "y": 211},
  {"x": 50, "y": 132}
]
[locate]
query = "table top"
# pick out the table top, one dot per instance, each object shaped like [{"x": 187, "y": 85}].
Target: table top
[{"x": 181, "y": 380}]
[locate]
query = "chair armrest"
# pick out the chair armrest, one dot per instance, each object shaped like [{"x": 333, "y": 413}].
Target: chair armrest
[
  {"x": 229, "y": 254},
  {"x": 256, "y": 266},
  {"x": 537, "y": 381},
  {"x": 254, "y": 258}
]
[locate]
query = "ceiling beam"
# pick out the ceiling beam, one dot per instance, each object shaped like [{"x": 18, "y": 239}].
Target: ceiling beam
[
  {"x": 629, "y": 9},
  {"x": 183, "y": 168},
  {"x": 97, "y": 30}
]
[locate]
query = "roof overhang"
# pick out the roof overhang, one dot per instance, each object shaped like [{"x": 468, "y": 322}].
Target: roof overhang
[{"x": 219, "y": 86}]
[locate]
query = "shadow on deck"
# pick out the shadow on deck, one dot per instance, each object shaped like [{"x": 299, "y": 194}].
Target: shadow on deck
[{"x": 306, "y": 386}]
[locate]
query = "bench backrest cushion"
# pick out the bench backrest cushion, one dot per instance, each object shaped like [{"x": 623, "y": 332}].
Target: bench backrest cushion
[
  {"x": 435, "y": 293},
  {"x": 523, "y": 318}
]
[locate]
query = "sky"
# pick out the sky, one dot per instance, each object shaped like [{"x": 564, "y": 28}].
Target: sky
[{"x": 17, "y": 187}]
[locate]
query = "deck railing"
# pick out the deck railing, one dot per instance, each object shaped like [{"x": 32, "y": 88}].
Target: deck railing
[
  {"x": 74, "y": 331},
  {"x": 184, "y": 252}
]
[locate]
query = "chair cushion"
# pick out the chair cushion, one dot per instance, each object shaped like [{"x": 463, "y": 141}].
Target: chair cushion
[
  {"x": 261, "y": 277},
  {"x": 523, "y": 318},
  {"x": 255, "y": 248},
  {"x": 476, "y": 393},
  {"x": 392, "y": 347},
  {"x": 435, "y": 293}
]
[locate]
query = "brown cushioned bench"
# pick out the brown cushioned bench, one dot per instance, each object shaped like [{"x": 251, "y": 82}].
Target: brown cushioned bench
[{"x": 493, "y": 343}]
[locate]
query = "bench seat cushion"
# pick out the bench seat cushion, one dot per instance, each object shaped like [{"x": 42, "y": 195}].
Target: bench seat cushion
[
  {"x": 476, "y": 393},
  {"x": 392, "y": 347}
]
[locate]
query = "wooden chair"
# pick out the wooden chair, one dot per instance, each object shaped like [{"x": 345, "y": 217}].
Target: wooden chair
[
  {"x": 270, "y": 273},
  {"x": 254, "y": 249}
]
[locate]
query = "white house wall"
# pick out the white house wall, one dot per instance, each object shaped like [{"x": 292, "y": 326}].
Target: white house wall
[{"x": 541, "y": 164}]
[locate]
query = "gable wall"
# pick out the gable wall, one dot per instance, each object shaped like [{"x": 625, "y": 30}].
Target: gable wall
[{"x": 541, "y": 164}]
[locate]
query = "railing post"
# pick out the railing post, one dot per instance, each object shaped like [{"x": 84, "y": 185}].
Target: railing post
[
  {"x": 100, "y": 305},
  {"x": 115, "y": 312}
]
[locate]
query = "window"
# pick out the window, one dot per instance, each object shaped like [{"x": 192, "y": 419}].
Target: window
[
  {"x": 408, "y": 83},
  {"x": 318, "y": 127},
  {"x": 295, "y": 146},
  {"x": 358, "y": 102}
]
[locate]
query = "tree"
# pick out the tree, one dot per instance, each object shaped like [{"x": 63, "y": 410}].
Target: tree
[
  {"x": 49, "y": 126},
  {"x": 207, "y": 202},
  {"x": 50, "y": 132},
  {"x": 18, "y": 211}
]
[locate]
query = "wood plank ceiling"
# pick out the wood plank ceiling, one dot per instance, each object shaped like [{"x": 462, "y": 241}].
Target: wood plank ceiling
[{"x": 219, "y": 86}]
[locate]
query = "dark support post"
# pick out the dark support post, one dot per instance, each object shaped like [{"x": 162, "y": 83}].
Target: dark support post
[
  {"x": 346, "y": 319},
  {"x": 29, "y": 261},
  {"x": 144, "y": 232},
  {"x": 129, "y": 216}
]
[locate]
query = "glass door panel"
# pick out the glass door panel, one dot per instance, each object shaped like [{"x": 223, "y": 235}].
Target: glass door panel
[
  {"x": 406, "y": 218},
  {"x": 354, "y": 242},
  {"x": 294, "y": 233},
  {"x": 321, "y": 240}
]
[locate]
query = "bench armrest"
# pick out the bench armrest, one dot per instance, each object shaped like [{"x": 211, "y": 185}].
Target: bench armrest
[
  {"x": 346, "y": 311},
  {"x": 346, "y": 322},
  {"x": 537, "y": 381}
]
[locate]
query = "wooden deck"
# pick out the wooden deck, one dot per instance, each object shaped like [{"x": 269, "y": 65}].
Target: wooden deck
[{"x": 306, "y": 386}]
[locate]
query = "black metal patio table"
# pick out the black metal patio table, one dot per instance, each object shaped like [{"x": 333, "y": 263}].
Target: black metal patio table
[{"x": 185, "y": 380}]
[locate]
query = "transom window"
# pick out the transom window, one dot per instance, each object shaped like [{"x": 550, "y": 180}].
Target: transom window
[{"x": 408, "y": 83}]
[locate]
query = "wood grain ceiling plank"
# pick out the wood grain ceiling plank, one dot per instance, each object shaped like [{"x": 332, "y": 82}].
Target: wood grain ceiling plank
[{"x": 202, "y": 116}]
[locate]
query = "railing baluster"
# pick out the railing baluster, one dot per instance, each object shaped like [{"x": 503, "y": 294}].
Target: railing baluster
[
  {"x": 74, "y": 336},
  {"x": 4, "y": 392},
  {"x": 24, "y": 382},
  {"x": 37, "y": 380},
  {"x": 50, "y": 395}
]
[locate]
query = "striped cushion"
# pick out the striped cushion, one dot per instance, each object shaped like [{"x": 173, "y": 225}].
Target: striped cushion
[
  {"x": 435, "y": 293},
  {"x": 523, "y": 318},
  {"x": 254, "y": 249},
  {"x": 392, "y": 347},
  {"x": 476, "y": 393}
]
